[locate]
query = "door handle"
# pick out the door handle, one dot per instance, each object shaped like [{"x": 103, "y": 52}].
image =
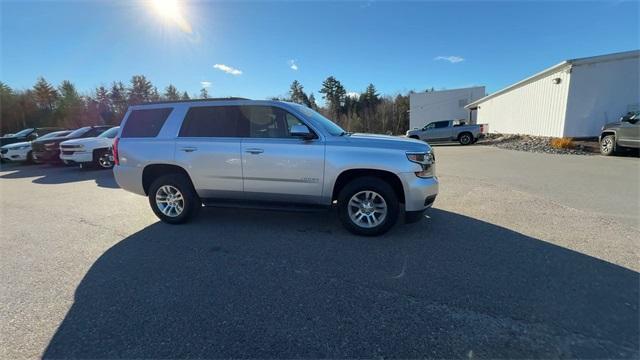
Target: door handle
[
  {"x": 188, "y": 148},
  {"x": 254, "y": 151}
]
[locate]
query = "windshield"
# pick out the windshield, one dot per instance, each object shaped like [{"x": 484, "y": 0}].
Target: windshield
[
  {"x": 328, "y": 125},
  {"x": 111, "y": 133},
  {"x": 79, "y": 132},
  {"x": 54, "y": 134},
  {"x": 24, "y": 132}
]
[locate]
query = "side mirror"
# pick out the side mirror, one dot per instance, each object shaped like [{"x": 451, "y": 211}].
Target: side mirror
[{"x": 302, "y": 131}]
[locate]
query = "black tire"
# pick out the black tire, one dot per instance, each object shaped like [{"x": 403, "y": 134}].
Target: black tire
[
  {"x": 608, "y": 145},
  {"x": 377, "y": 185},
  {"x": 465, "y": 138},
  {"x": 191, "y": 204},
  {"x": 29, "y": 158},
  {"x": 101, "y": 159}
]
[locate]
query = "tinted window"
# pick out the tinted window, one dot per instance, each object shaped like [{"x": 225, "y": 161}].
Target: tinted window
[
  {"x": 213, "y": 121},
  {"x": 94, "y": 132},
  {"x": 145, "y": 123},
  {"x": 111, "y": 133},
  {"x": 328, "y": 125},
  {"x": 79, "y": 132},
  {"x": 442, "y": 124},
  {"x": 22, "y": 133},
  {"x": 269, "y": 121},
  {"x": 55, "y": 134}
]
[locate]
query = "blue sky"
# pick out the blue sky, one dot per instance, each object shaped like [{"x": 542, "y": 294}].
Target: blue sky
[{"x": 398, "y": 46}]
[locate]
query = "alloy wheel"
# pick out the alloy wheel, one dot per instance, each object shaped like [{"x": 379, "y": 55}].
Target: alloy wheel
[
  {"x": 170, "y": 200},
  {"x": 367, "y": 209}
]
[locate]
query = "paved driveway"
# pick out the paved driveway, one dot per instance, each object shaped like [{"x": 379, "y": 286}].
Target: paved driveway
[{"x": 524, "y": 255}]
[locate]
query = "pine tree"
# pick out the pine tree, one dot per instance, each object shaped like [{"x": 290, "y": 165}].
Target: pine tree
[
  {"x": 312, "y": 102},
  {"x": 334, "y": 94},
  {"x": 370, "y": 97},
  {"x": 171, "y": 93},
  {"x": 118, "y": 97},
  {"x": 154, "y": 95},
  {"x": 70, "y": 106},
  {"x": 141, "y": 90},
  {"x": 185, "y": 96},
  {"x": 45, "y": 95},
  {"x": 297, "y": 94},
  {"x": 103, "y": 105},
  {"x": 204, "y": 94}
]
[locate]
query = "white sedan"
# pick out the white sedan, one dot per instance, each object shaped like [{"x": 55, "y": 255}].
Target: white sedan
[{"x": 22, "y": 151}]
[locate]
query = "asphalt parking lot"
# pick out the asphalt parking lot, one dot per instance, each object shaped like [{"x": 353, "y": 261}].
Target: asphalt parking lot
[{"x": 523, "y": 255}]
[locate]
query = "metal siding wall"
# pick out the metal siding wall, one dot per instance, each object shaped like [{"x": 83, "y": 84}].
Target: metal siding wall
[
  {"x": 537, "y": 108},
  {"x": 441, "y": 105},
  {"x": 601, "y": 93}
]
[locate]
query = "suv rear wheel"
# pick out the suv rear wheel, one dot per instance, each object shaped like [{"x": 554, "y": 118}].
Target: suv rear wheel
[
  {"x": 368, "y": 206},
  {"x": 173, "y": 199},
  {"x": 465, "y": 138}
]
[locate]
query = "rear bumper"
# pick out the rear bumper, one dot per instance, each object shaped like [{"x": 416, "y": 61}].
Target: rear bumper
[
  {"x": 129, "y": 178},
  {"x": 419, "y": 193}
]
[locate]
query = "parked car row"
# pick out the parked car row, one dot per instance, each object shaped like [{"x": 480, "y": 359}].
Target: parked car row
[{"x": 89, "y": 145}]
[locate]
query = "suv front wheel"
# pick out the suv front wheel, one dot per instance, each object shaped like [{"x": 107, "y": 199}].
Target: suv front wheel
[
  {"x": 368, "y": 206},
  {"x": 173, "y": 199},
  {"x": 608, "y": 145}
]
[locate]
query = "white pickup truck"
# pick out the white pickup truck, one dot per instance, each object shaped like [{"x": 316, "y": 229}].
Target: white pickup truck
[
  {"x": 449, "y": 130},
  {"x": 94, "y": 151}
]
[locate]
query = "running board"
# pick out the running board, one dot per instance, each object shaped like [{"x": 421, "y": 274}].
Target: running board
[{"x": 263, "y": 205}]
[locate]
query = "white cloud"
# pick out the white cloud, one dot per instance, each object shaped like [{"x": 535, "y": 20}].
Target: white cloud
[
  {"x": 205, "y": 84},
  {"x": 228, "y": 69},
  {"x": 293, "y": 65},
  {"x": 353, "y": 94},
  {"x": 452, "y": 59}
]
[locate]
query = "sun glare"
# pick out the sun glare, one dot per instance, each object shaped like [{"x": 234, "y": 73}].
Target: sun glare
[{"x": 171, "y": 11}]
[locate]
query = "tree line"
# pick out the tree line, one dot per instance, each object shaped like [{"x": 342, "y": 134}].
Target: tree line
[{"x": 63, "y": 106}]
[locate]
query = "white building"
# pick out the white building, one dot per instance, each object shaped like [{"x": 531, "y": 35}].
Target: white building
[
  {"x": 432, "y": 106},
  {"x": 571, "y": 99}
]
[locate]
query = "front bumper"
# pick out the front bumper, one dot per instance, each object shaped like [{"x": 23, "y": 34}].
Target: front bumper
[
  {"x": 76, "y": 156},
  {"x": 419, "y": 193},
  {"x": 14, "y": 155},
  {"x": 52, "y": 156}
]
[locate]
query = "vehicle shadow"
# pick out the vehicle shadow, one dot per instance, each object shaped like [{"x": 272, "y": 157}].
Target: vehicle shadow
[
  {"x": 250, "y": 284},
  {"x": 58, "y": 174}
]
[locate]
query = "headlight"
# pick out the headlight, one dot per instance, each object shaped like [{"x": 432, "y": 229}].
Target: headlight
[
  {"x": 426, "y": 160},
  {"x": 49, "y": 145}
]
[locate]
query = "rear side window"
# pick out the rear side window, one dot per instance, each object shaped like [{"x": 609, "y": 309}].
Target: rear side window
[
  {"x": 145, "y": 123},
  {"x": 214, "y": 121}
]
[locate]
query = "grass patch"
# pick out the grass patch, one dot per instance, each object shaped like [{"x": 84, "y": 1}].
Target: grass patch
[{"x": 562, "y": 143}]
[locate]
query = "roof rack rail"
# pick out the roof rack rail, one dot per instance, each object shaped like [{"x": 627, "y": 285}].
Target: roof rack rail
[{"x": 190, "y": 101}]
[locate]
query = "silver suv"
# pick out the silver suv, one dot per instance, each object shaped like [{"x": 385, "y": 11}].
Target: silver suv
[{"x": 269, "y": 154}]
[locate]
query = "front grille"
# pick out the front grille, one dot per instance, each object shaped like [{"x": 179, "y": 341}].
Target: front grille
[
  {"x": 68, "y": 146},
  {"x": 4, "y": 151},
  {"x": 67, "y": 152}
]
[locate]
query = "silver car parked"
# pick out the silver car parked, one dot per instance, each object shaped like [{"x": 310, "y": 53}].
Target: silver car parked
[{"x": 269, "y": 154}]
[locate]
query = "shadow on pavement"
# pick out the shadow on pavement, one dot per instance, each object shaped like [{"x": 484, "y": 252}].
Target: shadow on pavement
[
  {"x": 240, "y": 283},
  {"x": 58, "y": 174}
]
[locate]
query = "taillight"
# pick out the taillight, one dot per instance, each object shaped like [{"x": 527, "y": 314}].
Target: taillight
[{"x": 116, "y": 161}]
